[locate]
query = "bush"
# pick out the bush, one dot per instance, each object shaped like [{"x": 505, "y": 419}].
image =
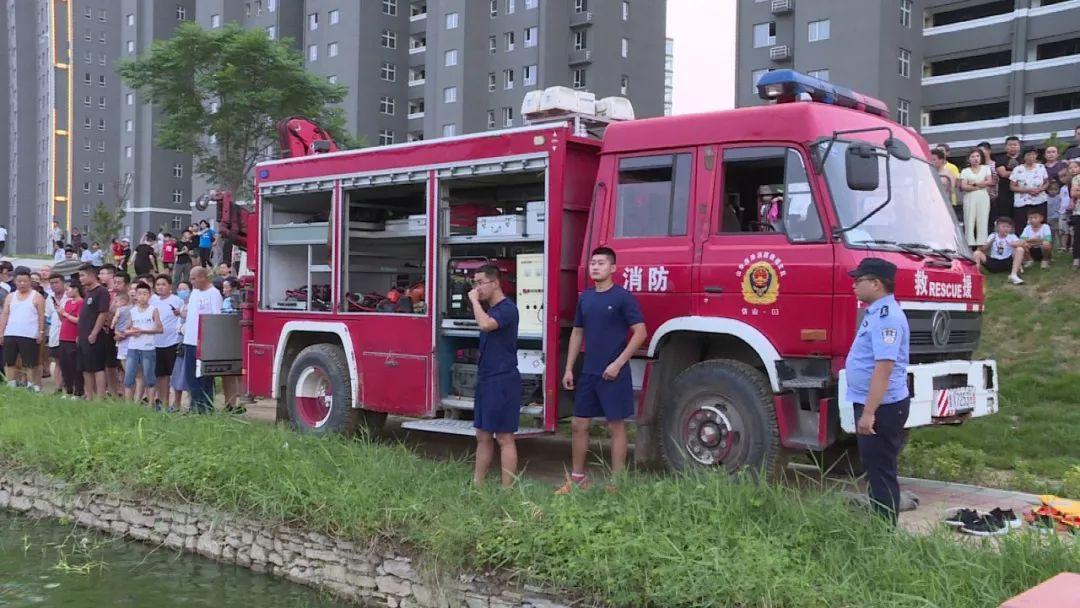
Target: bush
[
  {"x": 1071, "y": 487},
  {"x": 949, "y": 461}
]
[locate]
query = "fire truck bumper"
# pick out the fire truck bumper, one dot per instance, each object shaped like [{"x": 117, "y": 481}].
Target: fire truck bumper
[{"x": 946, "y": 392}]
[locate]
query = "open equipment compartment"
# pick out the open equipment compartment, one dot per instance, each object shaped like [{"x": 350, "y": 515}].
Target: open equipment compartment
[
  {"x": 297, "y": 249},
  {"x": 385, "y": 246},
  {"x": 497, "y": 217}
]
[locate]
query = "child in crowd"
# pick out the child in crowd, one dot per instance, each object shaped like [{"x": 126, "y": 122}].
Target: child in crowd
[
  {"x": 1064, "y": 209},
  {"x": 1053, "y": 208},
  {"x": 121, "y": 322},
  {"x": 145, "y": 324},
  {"x": 1038, "y": 240},
  {"x": 1074, "y": 209},
  {"x": 1003, "y": 251}
]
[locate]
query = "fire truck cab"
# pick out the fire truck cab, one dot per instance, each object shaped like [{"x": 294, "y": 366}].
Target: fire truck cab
[{"x": 734, "y": 229}]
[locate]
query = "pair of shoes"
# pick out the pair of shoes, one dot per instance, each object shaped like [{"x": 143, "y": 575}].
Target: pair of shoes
[
  {"x": 1045, "y": 264},
  {"x": 1015, "y": 280},
  {"x": 1029, "y": 264},
  {"x": 995, "y": 523}
]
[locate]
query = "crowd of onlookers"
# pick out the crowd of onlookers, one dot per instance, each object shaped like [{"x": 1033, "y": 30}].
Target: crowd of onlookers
[
  {"x": 120, "y": 328},
  {"x": 1018, "y": 206}
]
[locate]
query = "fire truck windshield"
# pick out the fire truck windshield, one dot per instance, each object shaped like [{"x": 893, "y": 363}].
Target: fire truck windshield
[{"x": 916, "y": 214}]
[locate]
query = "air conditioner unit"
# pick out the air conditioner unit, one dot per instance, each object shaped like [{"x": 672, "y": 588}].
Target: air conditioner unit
[
  {"x": 615, "y": 108},
  {"x": 779, "y": 7},
  {"x": 780, "y": 52},
  {"x": 554, "y": 101}
]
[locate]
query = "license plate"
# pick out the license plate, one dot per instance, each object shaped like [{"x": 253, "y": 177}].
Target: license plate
[{"x": 953, "y": 401}]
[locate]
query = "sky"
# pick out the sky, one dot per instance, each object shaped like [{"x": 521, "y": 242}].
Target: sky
[{"x": 704, "y": 34}]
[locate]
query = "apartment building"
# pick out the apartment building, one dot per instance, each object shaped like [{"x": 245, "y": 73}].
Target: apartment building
[
  {"x": 1000, "y": 67},
  {"x": 872, "y": 47},
  {"x": 669, "y": 74}
]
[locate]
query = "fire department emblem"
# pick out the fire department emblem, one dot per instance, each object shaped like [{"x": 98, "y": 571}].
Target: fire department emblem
[{"x": 761, "y": 283}]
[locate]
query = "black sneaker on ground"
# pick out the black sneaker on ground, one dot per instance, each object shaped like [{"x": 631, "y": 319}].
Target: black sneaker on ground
[
  {"x": 1008, "y": 516},
  {"x": 961, "y": 517},
  {"x": 987, "y": 525}
]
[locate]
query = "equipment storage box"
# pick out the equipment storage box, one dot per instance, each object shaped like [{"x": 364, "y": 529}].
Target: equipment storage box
[
  {"x": 529, "y": 294},
  {"x": 399, "y": 226},
  {"x": 418, "y": 223},
  {"x": 463, "y": 383},
  {"x": 500, "y": 225},
  {"x": 534, "y": 218},
  {"x": 530, "y": 361},
  {"x": 458, "y": 284}
]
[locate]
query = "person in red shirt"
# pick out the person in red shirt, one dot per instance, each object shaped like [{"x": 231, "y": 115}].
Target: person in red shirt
[
  {"x": 168, "y": 252},
  {"x": 118, "y": 255},
  {"x": 69, "y": 336}
]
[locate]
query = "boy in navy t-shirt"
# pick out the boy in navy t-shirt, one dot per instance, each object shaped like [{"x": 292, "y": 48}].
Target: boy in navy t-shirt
[
  {"x": 605, "y": 315},
  {"x": 498, "y": 384}
]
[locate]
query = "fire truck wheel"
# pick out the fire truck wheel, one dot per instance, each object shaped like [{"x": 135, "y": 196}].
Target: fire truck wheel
[
  {"x": 721, "y": 416},
  {"x": 319, "y": 392}
]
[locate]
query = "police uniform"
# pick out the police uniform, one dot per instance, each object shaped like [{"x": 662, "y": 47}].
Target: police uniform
[{"x": 883, "y": 335}]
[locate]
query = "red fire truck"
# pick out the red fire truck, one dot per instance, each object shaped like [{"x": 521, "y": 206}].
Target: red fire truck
[{"x": 734, "y": 229}]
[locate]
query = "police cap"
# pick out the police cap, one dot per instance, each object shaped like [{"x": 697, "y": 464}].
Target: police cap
[{"x": 878, "y": 267}]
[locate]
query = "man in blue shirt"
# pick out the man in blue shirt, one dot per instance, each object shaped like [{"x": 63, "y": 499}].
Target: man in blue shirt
[
  {"x": 605, "y": 314},
  {"x": 877, "y": 381},
  {"x": 497, "y": 406}
]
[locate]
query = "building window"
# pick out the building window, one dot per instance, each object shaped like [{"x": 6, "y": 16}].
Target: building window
[
  {"x": 130, "y": 46},
  {"x": 494, "y": 8},
  {"x": 528, "y": 75},
  {"x": 101, "y": 167},
  {"x": 271, "y": 32},
  {"x": 101, "y": 102},
  {"x": 905, "y": 13},
  {"x": 449, "y": 94},
  {"x": 449, "y": 130},
  {"x": 177, "y": 196},
  {"x": 414, "y": 136},
  {"x": 101, "y": 80},
  {"x": 491, "y": 119},
  {"x": 756, "y": 75},
  {"x": 416, "y": 107},
  {"x": 88, "y": 122},
  {"x": 818, "y": 30},
  {"x": 86, "y": 166},
  {"x": 386, "y": 105},
  {"x": 451, "y": 21},
  {"x": 101, "y": 124},
  {"x": 581, "y": 40},
  {"x": 579, "y": 78},
  {"x": 129, "y": 126},
  {"x": 450, "y": 58},
  {"x": 508, "y": 38},
  {"x": 491, "y": 81},
  {"x": 100, "y": 188},
  {"x": 101, "y": 145},
  {"x": 966, "y": 113},
  {"x": 87, "y": 78},
  {"x": 332, "y": 79},
  {"x": 625, "y": 11},
  {"x": 88, "y": 13},
  {"x": 312, "y": 21},
  {"x": 1059, "y": 102},
  {"x": 215, "y": 21},
  {"x": 386, "y": 137},
  {"x": 103, "y": 59},
  {"x": 388, "y": 72},
  {"x": 130, "y": 19},
  {"x": 271, "y": 5},
  {"x": 531, "y": 4},
  {"x": 86, "y": 187},
  {"x": 531, "y": 34},
  {"x": 88, "y": 101},
  {"x": 389, "y": 7},
  {"x": 508, "y": 79},
  {"x": 178, "y": 170},
  {"x": 129, "y": 99},
  {"x": 86, "y": 143},
  {"x": 389, "y": 39},
  {"x": 764, "y": 34},
  {"x": 624, "y": 85},
  {"x": 88, "y": 57},
  {"x": 492, "y": 45},
  {"x": 580, "y": 6},
  {"x": 820, "y": 74},
  {"x": 331, "y": 49},
  {"x": 417, "y": 75},
  {"x": 127, "y": 151},
  {"x": 625, "y": 48},
  {"x": 181, "y": 13},
  {"x": 335, "y": 16},
  {"x": 905, "y": 63},
  {"x": 509, "y": 7},
  {"x": 903, "y": 112},
  {"x": 508, "y": 116},
  {"x": 313, "y": 52}
]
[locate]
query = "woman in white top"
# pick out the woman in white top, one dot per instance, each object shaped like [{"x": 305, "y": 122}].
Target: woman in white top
[
  {"x": 1028, "y": 181},
  {"x": 974, "y": 181}
]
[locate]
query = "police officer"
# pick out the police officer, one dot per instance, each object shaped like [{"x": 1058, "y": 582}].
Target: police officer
[{"x": 877, "y": 381}]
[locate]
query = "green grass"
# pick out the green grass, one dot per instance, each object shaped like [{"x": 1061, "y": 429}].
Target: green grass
[
  {"x": 670, "y": 541},
  {"x": 1033, "y": 331}
]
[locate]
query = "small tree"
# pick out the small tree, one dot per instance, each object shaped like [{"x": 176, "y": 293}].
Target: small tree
[
  {"x": 1057, "y": 142},
  {"x": 106, "y": 224},
  {"x": 230, "y": 86}
]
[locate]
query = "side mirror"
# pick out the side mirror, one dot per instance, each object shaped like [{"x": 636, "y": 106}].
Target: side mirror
[
  {"x": 898, "y": 149},
  {"x": 861, "y": 167}
]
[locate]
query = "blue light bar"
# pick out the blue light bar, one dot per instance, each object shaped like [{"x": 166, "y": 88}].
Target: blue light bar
[{"x": 786, "y": 86}]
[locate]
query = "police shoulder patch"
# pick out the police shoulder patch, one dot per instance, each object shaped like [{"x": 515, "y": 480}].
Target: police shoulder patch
[
  {"x": 884, "y": 312},
  {"x": 888, "y": 335}
]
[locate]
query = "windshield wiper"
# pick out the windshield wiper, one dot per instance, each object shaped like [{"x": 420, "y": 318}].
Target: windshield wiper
[
  {"x": 906, "y": 247},
  {"x": 948, "y": 254}
]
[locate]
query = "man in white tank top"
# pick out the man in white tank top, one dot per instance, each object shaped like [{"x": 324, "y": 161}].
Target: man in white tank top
[{"x": 23, "y": 322}]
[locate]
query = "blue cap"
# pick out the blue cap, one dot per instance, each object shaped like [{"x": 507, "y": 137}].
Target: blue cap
[{"x": 878, "y": 267}]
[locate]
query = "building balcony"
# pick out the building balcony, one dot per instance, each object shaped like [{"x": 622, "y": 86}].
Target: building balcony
[
  {"x": 780, "y": 52},
  {"x": 418, "y": 82},
  {"x": 413, "y": 50},
  {"x": 580, "y": 56},
  {"x": 416, "y": 115},
  {"x": 780, "y": 7},
  {"x": 582, "y": 18}
]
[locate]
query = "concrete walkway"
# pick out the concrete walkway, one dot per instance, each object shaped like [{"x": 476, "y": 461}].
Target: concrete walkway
[{"x": 936, "y": 498}]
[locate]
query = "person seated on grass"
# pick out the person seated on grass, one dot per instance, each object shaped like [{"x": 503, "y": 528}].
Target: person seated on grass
[
  {"x": 1038, "y": 240},
  {"x": 1003, "y": 251}
]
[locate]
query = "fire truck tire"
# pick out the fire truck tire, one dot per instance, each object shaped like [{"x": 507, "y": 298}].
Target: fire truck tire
[
  {"x": 318, "y": 393},
  {"x": 721, "y": 415}
]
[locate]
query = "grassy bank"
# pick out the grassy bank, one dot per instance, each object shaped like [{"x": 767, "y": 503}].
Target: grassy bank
[
  {"x": 658, "y": 542},
  {"x": 1033, "y": 443}
]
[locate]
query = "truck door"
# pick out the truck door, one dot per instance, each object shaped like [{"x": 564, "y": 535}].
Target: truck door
[
  {"x": 649, "y": 228},
  {"x": 766, "y": 261}
]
